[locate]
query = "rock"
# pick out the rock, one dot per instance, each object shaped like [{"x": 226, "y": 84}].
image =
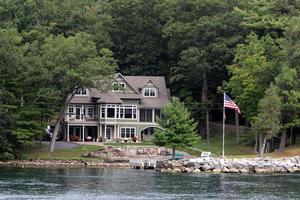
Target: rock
[
  {"x": 188, "y": 170},
  {"x": 116, "y": 160},
  {"x": 196, "y": 171},
  {"x": 169, "y": 169},
  {"x": 225, "y": 170},
  {"x": 233, "y": 170},
  {"x": 205, "y": 168},
  {"x": 244, "y": 170},
  {"x": 176, "y": 170},
  {"x": 217, "y": 170}
]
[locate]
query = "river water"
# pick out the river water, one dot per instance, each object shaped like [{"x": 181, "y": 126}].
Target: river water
[{"x": 87, "y": 183}]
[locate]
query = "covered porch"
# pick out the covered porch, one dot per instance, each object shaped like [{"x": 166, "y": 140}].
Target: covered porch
[{"x": 83, "y": 133}]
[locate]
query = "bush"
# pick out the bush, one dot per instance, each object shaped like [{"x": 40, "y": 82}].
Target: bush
[{"x": 6, "y": 156}]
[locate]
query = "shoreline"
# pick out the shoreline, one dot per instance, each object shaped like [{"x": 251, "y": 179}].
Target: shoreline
[
  {"x": 61, "y": 164},
  {"x": 233, "y": 165},
  {"x": 197, "y": 165}
]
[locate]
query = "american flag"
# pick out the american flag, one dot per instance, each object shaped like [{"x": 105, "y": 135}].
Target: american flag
[{"x": 228, "y": 103}]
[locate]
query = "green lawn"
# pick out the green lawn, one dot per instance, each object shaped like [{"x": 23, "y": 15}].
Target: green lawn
[
  {"x": 215, "y": 147},
  {"x": 64, "y": 154}
]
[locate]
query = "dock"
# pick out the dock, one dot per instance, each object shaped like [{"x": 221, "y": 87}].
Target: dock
[{"x": 143, "y": 163}]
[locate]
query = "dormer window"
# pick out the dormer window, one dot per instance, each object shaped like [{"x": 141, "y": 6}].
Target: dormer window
[
  {"x": 118, "y": 87},
  {"x": 150, "y": 92},
  {"x": 81, "y": 92}
]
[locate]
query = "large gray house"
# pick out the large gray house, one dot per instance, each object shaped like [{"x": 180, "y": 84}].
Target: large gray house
[{"x": 128, "y": 110}]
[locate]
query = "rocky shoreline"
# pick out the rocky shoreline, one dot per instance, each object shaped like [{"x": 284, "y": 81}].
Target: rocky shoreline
[
  {"x": 196, "y": 165},
  {"x": 220, "y": 165},
  {"x": 62, "y": 164}
]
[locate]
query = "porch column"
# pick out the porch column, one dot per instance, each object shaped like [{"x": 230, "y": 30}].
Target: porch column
[
  {"x": 100, "y": 131},
  {"x": 83, "y": 133},
  {"x": 153, "y": 115},
  {"x": 68, "y": 133},
  {"x": 105, "y": 131},
  {"x": 118, "y": 131},
  {"x": 115, "y": 131}
]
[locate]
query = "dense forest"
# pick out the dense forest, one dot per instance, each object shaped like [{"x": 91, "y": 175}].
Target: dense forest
[{"x": 249, "y": 49}]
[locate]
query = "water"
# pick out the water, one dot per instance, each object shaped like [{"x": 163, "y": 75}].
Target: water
[{"x": 105, "y": 184}]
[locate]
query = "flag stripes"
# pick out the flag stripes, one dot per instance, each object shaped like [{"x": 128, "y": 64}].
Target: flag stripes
[{"x": 228, "y": 103}]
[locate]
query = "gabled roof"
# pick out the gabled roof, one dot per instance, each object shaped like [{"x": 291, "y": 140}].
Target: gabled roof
[
  {"x": 119, "y": 74},
  {"x": 151, "y": 82},
  {"x": 136, "y": 82}
]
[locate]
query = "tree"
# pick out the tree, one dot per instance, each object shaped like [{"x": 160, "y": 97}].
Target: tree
[
  {"x": 288, "y": 81},
  {"x": 136, "y": 33},
  {"x": 73, "y": 63},
  {"x": 178, "y": 128},
  {"x": 255, "y": 67},
  {"x": 267, "y": 122}
]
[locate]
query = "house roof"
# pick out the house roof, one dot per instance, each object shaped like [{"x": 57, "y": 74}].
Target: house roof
[{"x": 137, "y": 83}]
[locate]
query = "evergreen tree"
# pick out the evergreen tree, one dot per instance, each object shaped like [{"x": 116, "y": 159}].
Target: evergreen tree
[
  {"x": 267, "y": 122},
  {"x": 178, "y": 128}
]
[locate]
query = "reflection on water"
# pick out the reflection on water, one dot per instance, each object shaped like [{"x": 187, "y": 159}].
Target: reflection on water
[{"x": 130, "y": 184}]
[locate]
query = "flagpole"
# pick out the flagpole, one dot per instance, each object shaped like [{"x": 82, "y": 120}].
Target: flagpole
[{"x": 223, "y": 152}]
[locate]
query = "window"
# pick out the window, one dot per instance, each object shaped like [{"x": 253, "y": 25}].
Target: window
[
  {"x": 127, "y": 132},
  {"x": 102, "y": 112},
  {"x": 119, "y": 112},
  {"x": 118, "y": 87},
  {"x": 71, "y": 111},
  {"x": 146, "y": 115},
  {"x": 110, "y": 111},
  {"x": 81, "y": 92},
  {"x": 90, "y": 112},
  {"x": 128, "y": 112},
  {"x": 150, "y": 92},
  {"x": 157, "y": 114}
]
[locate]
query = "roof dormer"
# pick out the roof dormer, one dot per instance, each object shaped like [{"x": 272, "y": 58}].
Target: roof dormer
[{"x": 150, "y": 89}]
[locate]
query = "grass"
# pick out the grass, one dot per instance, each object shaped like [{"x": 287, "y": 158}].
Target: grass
[
  {"x": 63, "y": 154},
  {"x": 288, "y": 152},
  {"x": 215, "y": 147},
  {"x": 121, "y": 144}
]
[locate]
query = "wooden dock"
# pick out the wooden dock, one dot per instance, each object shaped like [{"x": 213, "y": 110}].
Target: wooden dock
[{"x": 143, "y": 163}]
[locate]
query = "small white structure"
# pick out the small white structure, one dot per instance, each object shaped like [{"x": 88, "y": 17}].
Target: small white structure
[{"x": 205, "y": 154}]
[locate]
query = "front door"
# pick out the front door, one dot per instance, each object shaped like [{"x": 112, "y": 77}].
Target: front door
[{"x": 108, "y": 133}]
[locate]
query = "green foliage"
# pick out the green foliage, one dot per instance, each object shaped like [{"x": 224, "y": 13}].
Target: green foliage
[
  {"x": 267, "y": 122},
  {"x": 252, "y": 72},
  {"x": 178, "y": 126}
]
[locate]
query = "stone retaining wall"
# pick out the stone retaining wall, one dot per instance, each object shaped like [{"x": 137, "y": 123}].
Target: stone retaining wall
[
  {"x": 219, "y": 165},
  {"x": 62, "y": 164}
]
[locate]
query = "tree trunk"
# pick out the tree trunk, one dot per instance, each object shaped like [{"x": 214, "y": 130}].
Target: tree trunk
[
  {"x": 173, "y": 152},
  {"x": 207, "y": 128},
  {"x": 256, "y": 144},
  {"x": 282, "y": 140},
  {"x": 262, "y": 149},
  {"x": 237, "y": 128},
  {"x": 260, "y": 141},
  {"x": 59, "y": 119},
  {"x": 203, "y": 105}
]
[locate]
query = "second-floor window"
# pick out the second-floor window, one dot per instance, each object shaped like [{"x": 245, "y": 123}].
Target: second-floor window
[
  {"x": 90, "y": 112},
  {"x": 71, "y": 111},
  {"x": 81, "y": 92},
  {"x": 118, "y": 87},
  {"x": 118, "y": 111},
  {"x": 150, "y": 92}
]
